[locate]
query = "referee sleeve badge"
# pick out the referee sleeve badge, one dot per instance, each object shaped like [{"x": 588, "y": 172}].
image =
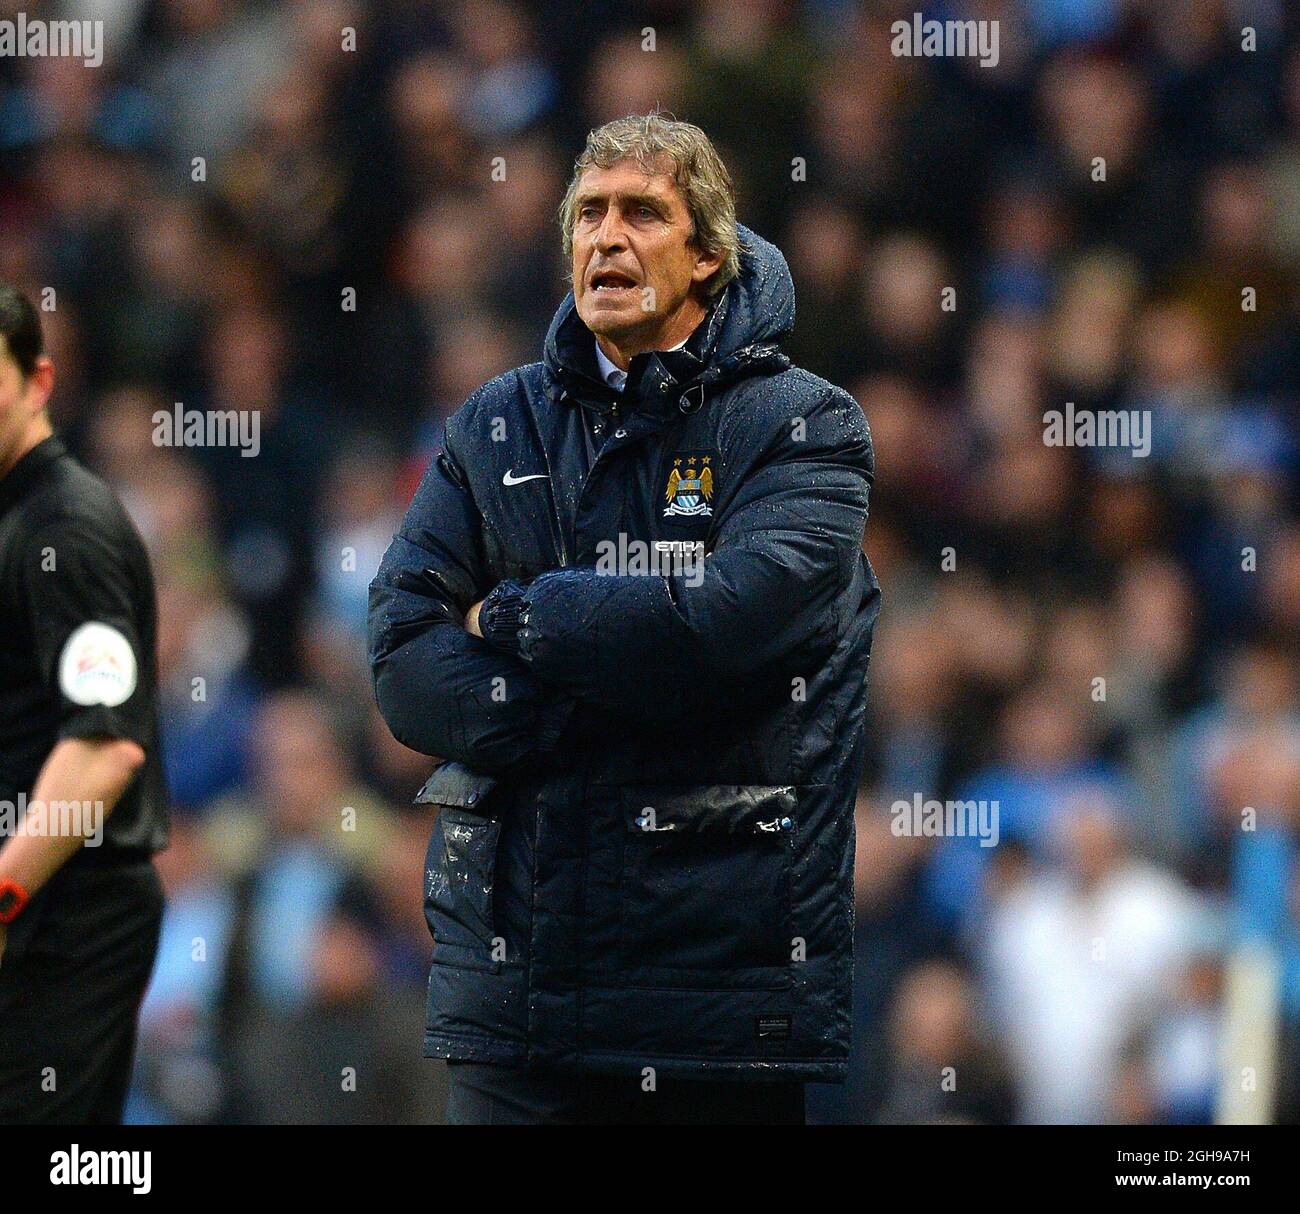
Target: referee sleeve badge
[{"x": 97, "y": 666}]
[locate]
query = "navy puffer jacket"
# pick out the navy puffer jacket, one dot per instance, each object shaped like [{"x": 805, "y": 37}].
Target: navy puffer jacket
[{"x": 643, "y": 850}]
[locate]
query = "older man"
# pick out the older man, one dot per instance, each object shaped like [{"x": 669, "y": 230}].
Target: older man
[{"x": 628, "y": 606}]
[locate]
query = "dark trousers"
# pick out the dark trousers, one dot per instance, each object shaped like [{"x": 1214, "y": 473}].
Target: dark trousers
[
  {"x": 73, "y": 974},
  {"x": 484, "y": 1094}
]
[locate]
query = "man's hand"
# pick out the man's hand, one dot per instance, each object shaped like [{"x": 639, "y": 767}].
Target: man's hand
[
  {"x": 471, "y": 620},
  {"x": 496, "y": 619}
]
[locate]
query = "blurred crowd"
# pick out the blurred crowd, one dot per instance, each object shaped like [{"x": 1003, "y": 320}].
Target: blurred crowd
[{"x": 240, "y": 211}]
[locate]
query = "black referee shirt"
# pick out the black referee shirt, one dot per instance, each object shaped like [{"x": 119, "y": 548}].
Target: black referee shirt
[{"x": 78, "y": 625}]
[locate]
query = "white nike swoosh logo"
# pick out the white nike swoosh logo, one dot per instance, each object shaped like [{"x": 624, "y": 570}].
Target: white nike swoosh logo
[{"x": 509, "y": 479}]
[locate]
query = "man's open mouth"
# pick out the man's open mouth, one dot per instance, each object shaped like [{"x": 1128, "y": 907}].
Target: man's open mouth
[{"x": 611, "y": 280}]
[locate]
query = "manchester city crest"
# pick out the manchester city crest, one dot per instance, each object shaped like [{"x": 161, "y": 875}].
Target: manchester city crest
[{"x": 690, "y": 486}]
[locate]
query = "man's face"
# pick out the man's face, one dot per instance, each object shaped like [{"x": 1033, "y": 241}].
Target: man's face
[
  {"x": 634, "y": 265},
  {"x": 22, "y": 398}
]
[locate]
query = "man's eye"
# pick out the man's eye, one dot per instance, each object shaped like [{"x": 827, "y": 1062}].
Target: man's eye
[
  {"x": 587, "y": 213},
  {"x": 646, "y": 212}
]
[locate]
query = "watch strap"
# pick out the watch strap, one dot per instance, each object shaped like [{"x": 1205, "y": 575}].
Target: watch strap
[{"x": 13, "y": 900}]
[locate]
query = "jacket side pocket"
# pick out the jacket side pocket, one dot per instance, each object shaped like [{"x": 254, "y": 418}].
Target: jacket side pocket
[
  {"x": 460, "y": 870},
  {"x": 706, "y": 885}
]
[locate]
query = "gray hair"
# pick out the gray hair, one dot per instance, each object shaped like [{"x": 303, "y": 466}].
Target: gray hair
[{"x": 697, "y": 170}]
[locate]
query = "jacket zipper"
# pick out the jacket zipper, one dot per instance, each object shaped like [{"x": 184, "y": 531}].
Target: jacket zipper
[
  {"x": 555, "y": 502},
  {"x": 595, "y": 459}
]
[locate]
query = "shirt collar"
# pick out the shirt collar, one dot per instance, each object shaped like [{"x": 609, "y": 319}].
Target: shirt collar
[
  {"x": 615, "y": 376},
  {"x": 14, "y": 484}
]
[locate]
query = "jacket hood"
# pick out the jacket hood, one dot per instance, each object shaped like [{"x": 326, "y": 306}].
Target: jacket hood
[{"x": 738, "y": 336}]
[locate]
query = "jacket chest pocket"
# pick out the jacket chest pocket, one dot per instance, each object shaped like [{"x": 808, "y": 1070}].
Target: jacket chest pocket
[
  {"x": 706, "y": 885},
  {"x": 460, "y": 870}
]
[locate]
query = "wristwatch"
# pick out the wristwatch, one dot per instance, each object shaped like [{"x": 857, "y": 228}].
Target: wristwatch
[{"x": 13, "y": 898}]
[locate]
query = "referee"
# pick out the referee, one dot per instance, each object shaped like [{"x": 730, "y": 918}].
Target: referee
[{"x": 82, "y": 806}]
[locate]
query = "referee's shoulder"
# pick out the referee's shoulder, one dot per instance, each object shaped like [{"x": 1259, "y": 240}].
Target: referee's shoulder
[{"x": 73, "y": 498}]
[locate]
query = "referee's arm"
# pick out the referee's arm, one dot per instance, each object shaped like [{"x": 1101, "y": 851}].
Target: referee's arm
[
  {"x": 78, "y": 769},
  {"x": 100, "y": 747}
]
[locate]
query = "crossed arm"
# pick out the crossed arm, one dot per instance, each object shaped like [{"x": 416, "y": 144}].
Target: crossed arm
[{"x": 786, "y": 544}]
